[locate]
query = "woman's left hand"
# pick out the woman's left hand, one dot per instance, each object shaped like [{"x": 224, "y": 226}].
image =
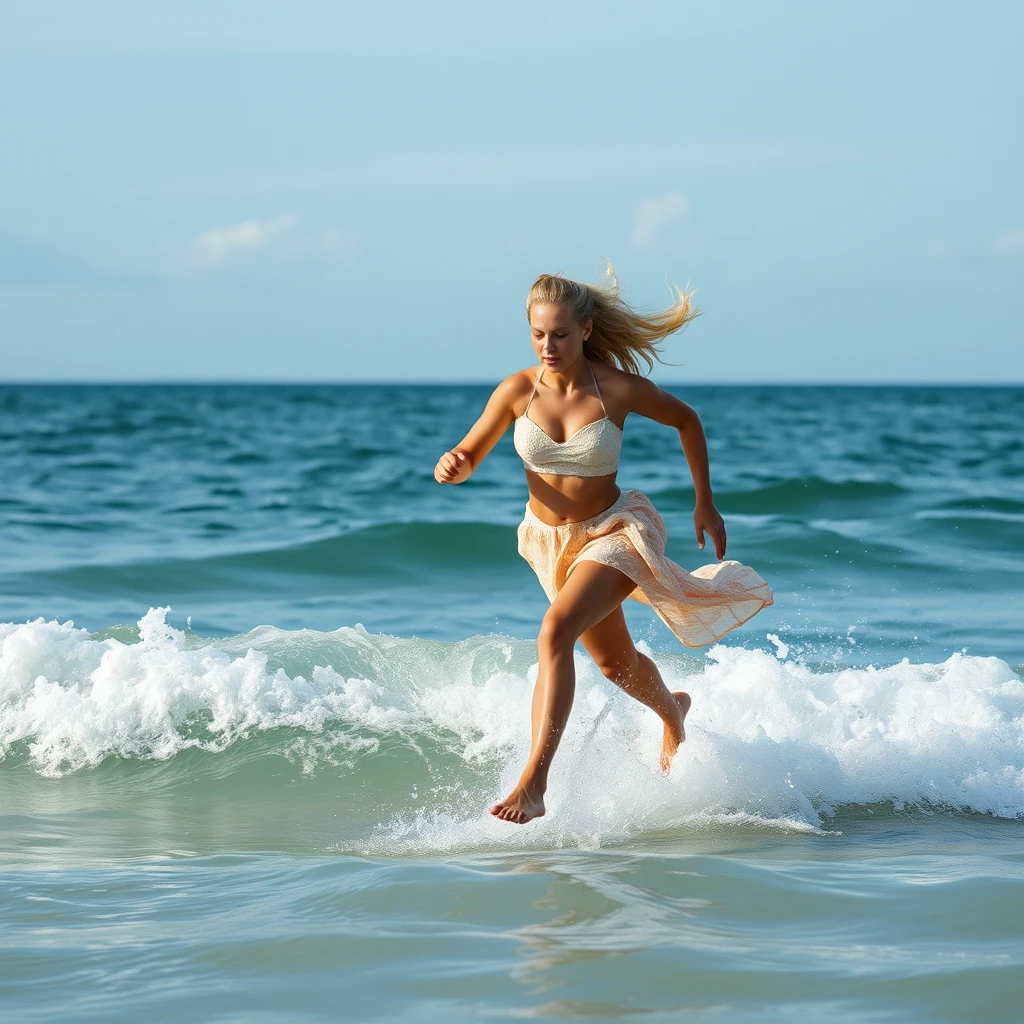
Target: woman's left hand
[{"x": 707, "y": 520}]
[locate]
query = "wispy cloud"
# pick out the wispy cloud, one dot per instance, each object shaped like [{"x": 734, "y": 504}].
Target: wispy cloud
[
  {"x": 273, "y": 246},
  {"x": 217, "y": 246},
  {"x": 654, "y": 216},
  {"x": 1009, "y": 242}
]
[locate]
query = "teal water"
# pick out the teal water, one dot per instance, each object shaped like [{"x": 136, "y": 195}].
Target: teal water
[{"x": 260, "y": 677}]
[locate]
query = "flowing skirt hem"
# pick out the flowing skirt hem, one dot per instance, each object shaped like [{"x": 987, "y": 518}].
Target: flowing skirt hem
[{"x": 699, "y": 607}]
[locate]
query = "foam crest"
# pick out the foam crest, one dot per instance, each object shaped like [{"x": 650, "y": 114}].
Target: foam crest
[
  {"x": 770, "y": 740},
  {"x": 770, "y": 743},
  {"x": 76, "y": 701}
]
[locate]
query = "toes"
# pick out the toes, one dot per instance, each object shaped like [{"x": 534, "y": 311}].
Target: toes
[
  {"x": 509, "y": 812},
  {"x": 512, "y": 810}
]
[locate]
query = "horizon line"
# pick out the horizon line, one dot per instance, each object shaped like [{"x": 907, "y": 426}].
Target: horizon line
[{"x": 440, "y": 382}]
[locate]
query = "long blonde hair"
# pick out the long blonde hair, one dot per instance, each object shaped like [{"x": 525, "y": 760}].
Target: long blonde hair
[{"x": 620, "y": 336}]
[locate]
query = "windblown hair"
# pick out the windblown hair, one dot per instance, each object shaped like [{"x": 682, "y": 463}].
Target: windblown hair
[{"x": 620, "y": 336}]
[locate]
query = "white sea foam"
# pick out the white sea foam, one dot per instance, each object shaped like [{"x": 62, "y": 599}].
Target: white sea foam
[{"x": 769, "y": 740}]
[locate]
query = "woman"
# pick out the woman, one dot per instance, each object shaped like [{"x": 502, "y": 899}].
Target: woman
[{"x": 592, "y": 545}]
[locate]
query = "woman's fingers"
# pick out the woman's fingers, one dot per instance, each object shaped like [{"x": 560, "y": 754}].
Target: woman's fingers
[
  {"x": 448, "y": 467},
  {"x": 718, "y": 535},
  {"x": 716, "y": 531}
]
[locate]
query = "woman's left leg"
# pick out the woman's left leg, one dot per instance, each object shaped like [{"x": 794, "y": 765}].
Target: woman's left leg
[
  {"x": 590, "y": 594},
  {"x": 612, "y": 648}
]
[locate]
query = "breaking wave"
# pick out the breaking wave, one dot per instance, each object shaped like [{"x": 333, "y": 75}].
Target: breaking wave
[{"x": 419, "y": 736}]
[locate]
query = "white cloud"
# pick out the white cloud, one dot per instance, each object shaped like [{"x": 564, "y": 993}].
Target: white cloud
[
  {"x": 1009, "y": 242},
  {"x": 654, "y": 215},
  {"x": 218, "y": 245}
]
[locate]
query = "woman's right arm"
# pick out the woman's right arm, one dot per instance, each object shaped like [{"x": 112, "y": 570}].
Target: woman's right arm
[{"x": 457, "y": 465}]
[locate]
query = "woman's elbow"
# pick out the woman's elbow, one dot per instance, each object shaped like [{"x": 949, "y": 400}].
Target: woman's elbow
[{"x": 688, "y": 422}]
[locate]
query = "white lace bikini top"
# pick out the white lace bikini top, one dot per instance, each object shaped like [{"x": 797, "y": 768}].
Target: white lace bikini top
[{"x": 592, "y": 451}]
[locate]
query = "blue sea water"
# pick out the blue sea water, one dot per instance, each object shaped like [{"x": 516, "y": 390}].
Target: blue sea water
[{"x": 260, "y": 678}]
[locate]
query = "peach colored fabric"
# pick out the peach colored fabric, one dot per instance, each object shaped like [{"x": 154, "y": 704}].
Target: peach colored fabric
[{"x": 700, "y": 607}]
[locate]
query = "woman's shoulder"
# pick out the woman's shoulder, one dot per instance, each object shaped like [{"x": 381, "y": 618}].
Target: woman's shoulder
[
  {"x": 621, "y": 384},
  {"x": 515, "y": 390},
  {"x": 519, "y": 382}
]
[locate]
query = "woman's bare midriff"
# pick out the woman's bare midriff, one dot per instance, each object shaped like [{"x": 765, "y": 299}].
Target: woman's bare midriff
[{"x": 557, "y": 500}]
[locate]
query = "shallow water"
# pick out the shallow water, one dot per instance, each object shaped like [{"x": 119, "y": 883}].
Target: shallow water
[{"x": 248, "y": 781}]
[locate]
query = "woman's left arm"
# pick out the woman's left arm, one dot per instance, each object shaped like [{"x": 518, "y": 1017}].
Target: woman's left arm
[{"x": 649, "y": 400}]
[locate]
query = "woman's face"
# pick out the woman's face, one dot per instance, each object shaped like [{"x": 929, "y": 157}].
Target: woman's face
[{"x": 557, "y": 338}]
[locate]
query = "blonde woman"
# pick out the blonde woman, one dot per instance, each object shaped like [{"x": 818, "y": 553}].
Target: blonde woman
[{"x": 590, "y": 544}]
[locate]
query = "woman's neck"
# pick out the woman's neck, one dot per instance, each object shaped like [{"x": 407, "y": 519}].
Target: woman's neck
[{"x": 569, "y": 378}]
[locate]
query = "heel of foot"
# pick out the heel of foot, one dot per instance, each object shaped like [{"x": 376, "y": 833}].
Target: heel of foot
[{"x": 684, "y": 702}]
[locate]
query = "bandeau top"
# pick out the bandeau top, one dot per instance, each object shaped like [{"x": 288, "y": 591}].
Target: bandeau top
[{"x": 592, "y": 451}]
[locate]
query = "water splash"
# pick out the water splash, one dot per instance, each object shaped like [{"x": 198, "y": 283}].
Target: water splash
[{"x": 769, "y": 740}]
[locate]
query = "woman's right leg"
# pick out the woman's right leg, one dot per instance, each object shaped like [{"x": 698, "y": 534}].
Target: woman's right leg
[
  {"x": 590, "y": 594},
  {"x": 612, "y": 648}
]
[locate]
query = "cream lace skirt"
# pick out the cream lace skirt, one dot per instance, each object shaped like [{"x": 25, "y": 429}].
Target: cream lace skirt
[{"x": 700, "y": 607}]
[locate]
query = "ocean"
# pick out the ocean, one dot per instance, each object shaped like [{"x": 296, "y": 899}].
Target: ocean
[{"x": 261, "y": 678}]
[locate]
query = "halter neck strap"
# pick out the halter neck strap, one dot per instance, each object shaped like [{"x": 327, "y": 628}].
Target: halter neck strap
[
  {"x": 536, "y": 384},
  {"x": 597, "y": 388},
  {"x": 593, "y": 377}
]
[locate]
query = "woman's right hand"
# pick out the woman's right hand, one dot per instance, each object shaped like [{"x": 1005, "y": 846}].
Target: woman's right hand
[{"x": 453, "y": 468}]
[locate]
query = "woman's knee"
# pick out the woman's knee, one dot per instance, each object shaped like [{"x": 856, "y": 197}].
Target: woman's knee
[{"x": 557, "y": 634}]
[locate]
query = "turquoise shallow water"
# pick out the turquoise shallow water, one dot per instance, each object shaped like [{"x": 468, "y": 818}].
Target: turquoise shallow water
[
  {"x": 893, "y": 920},
  {"x": 247, "y": 781}
]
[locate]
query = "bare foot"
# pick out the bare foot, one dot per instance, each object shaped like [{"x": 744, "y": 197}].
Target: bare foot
[
  {"x": 675, "y": 734},
  {"x": 520, "y": 806}
]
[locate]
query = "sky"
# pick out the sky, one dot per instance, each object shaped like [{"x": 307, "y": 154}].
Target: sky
[{"x": 340, "y": 192}]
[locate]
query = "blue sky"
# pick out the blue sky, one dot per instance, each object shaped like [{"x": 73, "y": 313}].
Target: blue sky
[{"x": 337, "y": 192}]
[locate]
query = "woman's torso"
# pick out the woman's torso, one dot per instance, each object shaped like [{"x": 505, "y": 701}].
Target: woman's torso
[{"x": 576, "y": 436}]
